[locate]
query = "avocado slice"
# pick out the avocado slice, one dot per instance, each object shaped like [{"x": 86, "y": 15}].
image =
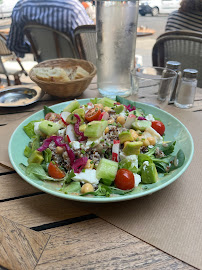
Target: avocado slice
[
  {"x": 95, "y": 129},
  {"x": 132, "y": 148},
  {"x": 149, "y": 173},
  {"x": 48, "y": 127},
  {"x": 138, "y": 112},
  {"x": 125, "y": 136},
  {"x": 72, "y": 106},
  {"x": 36, "y": 157},
  {"x": 141, "y": 125},
  {"x": 118, "y": 109},
  {"x": 82, "y": 127}
]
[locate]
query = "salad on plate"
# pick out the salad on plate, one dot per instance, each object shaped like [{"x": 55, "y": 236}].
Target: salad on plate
[{"x": 103, "y": 148}]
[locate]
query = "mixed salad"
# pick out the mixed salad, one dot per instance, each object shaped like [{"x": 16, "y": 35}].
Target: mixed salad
[{"x": 103, "y": 148}]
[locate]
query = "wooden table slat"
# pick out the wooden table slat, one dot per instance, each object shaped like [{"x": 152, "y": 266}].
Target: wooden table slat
[
  {"x": 96, "y": 244},
  {"x": 20, "y": 247}
]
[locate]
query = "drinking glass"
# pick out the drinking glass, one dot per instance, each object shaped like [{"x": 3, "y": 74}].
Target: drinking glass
[
  {"x": 116, "y": 28},
  {"x": 153, "y": 85}
]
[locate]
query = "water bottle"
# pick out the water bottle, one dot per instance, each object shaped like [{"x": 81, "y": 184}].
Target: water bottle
[{"x": 116, "y": 30}]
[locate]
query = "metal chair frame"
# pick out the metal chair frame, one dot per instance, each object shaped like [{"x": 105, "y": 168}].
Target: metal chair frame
[
  {"x": 56, "y": 35},
  {"x": 85, "y": 42},
  {"x": 4, "y": 52},
  {"x": 183, "y": 46}
]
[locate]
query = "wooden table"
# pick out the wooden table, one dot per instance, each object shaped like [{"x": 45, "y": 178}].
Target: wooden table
[{"x": 39, "y": 231}]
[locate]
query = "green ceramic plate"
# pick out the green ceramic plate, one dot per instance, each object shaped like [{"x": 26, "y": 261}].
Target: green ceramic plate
[{"x": 175, "y": 130}]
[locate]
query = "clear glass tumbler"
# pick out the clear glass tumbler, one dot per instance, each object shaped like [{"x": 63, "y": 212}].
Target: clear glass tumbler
[
  {"x": 153, "y": 85},
  {"x": 116, "y": 28}
]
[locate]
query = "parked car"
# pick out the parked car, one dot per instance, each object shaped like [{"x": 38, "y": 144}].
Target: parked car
[
  {"x": 6, "y": 7},
  {"x": 154, "y": 7}
]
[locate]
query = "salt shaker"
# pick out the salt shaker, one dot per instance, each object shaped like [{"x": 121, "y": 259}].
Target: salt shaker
[
  {"x": 186, "y": 89},
  {"x": 176, "y": 66}
]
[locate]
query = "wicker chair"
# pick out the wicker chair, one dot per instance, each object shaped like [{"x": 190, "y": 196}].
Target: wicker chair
[
  {"x": 48, "y": 43},
  {"x": 85, "y": 42},
  {"x": 10, "y": 64},
  {"x": 183, "y": 46}
]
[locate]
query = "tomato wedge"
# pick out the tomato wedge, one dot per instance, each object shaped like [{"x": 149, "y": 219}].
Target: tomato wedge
[
  {"x": 158, "y": 126},
  {"x": 92, "y": 114},
  {"x": 54, "y": 171},
  {"x": 124, "y": 179}
]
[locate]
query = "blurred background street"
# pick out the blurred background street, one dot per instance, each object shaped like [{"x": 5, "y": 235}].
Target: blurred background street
[{"x": 144, "y": 44}]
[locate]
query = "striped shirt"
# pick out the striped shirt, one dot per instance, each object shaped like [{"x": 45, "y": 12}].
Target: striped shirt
[
  {"x": 62, "y": 15},
  {"x": 184, "y": 21}
]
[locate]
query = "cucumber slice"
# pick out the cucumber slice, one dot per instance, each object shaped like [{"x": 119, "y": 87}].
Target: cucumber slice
[
  {"x": 49, "y": 127},
  {"x": 141, "y": 124},
  {"x": 107, "y": 102},
  {"x": 107, "y": 169},
  {"x": 72, "y": 106},
  {"x": 95, "y": 129}
]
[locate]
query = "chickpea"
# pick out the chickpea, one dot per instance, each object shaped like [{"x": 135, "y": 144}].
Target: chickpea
[
  {"x": 107, "y": 109},
  {"x": 87, "y": 188},
  {"x": 59, "y": 150},
  {"x": 146, "y": 142},
  {"x": 89, "y": 164},
  {"x": 99, "y": 106},
  {"x": 139, "y": 132},
  {"x": 151, "y": 140},
  {"x": 121, "y": 120},
  {"x": 134, "y": 134},
  {"x": 106, "y": 130},
  {"x": 110, "y": 121},
  {"x": 139, "y": 138}
]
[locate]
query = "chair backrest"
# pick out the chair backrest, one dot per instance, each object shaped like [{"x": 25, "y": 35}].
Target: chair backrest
[
  {"x": 4, "y": 51},
  {"x": 85, "y": 42},
  {"x": 48, "y": 43},
  {"x": 182, "y": 46}
]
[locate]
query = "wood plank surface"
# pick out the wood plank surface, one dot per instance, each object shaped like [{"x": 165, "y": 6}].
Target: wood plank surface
[
  {"x": 20, "y": 248},
  {"x": 96, "y": 244},
  {"x": 13, "y": 186},
  {"x": 40, "y": 209}
]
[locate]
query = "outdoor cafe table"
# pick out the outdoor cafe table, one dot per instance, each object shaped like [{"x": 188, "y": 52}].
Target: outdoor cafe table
[{"x": 160, "y": 231}]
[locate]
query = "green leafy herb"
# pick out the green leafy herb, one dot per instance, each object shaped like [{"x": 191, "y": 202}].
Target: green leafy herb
[
  {"x": 27, "y": 151},
  {"x": 36, "y": 171},
  {"x": 125, "y": 164},
  {"x": 106, "y": 191},
  {"x": 73, "y": 187},
  {"x": 47, "y": 155},
  {"x": 94, "y": 100},
  {"x": 47, "y": 110},
  {"x": 83, "y": 152},
  {"x": 29, "y": 129},
  {"x": 92, "y": 144}
]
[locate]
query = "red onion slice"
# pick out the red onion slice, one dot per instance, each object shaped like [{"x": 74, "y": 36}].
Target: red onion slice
[
  {"x": 79, "y": 164},
  {"x": 76, "y": 129},
  {"x": 57, "y": 140}
]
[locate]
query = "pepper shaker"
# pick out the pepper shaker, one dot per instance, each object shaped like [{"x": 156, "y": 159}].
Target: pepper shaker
[{"x": 186, "y": 89}]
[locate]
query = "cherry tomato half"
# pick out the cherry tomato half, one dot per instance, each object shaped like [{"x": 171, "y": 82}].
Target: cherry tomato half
[
  {"x": 158, "y": 126},
  {"x": 54, "y": 117},
  {"x": 92, "y": 114},
  {"x": 54, "y": 171},
  {"x": 124, "y": 179}
]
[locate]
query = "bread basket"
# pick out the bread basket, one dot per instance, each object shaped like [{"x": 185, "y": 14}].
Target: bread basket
[{"x": 68, "y": 89}]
